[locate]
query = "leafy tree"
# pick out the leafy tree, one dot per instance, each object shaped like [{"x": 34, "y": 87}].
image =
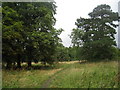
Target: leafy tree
[
  {"x": 28, "y": 32},
  {"x": 66, "y": 53},
  {"x": 39, "y": 20},
  {"x": 12, "y": 38},
  {"x": 96, "y": 34}
]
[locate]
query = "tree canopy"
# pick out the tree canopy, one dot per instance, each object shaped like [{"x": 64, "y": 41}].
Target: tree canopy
[
  {"x": 96, "y": 34},
  {"x": 28, "y": 32}
]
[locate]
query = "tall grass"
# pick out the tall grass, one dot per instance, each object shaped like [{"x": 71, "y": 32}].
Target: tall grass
[
  {"x": 71, "y": 75},
  {"x": 89, "y": 75},
  {"x": 26, "y": 78}
]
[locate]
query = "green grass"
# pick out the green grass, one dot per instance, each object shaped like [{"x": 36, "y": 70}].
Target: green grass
[
  {"x": 89, "y": 75},
  {"x": 73, "y": 75},
  {"x": 26, "y": 78}
]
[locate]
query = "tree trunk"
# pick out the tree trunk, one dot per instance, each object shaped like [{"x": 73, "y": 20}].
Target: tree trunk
[
  {"x": 18, "y": 62},
  {"x": 29, "y": 64},
  {"x": 44, "y": 63},
  {"x": 8, "y": 66}
]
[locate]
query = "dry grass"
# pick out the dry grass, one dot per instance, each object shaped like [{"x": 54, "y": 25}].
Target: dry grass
[
  {"x": 26, "y": 79},
  {"x": 72, "y": 62}
]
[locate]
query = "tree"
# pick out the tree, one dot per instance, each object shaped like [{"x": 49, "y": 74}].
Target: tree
[
  {"x": 12, "y": 38},
  {"x": 96, "y": 34},
  {"x": 33, "y": 37},
  {"x": 38, "y": 21}
]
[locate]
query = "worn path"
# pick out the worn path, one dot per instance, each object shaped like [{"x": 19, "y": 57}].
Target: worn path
[{"x": 47, "y": 83}]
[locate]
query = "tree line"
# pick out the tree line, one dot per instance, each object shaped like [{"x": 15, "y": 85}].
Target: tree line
[
  {"x": 29, "y": 35},
  {"x": 95, "y": 36}
]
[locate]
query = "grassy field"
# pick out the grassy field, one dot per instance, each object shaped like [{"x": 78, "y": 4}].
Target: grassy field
[{"x": 65, "y": 75}]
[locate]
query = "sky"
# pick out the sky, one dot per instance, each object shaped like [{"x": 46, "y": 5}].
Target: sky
[{"x": 69, "y": 10}]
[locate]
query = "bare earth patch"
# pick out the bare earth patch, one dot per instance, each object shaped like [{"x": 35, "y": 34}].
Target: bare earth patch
[{"x": 71, "y": 62}]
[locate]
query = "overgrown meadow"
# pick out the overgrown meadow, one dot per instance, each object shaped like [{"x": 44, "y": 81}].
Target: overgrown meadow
[{"x": 65, "y": 75}]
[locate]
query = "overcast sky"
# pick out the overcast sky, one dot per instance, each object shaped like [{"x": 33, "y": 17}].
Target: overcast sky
[{"x": 69, "y": 10}]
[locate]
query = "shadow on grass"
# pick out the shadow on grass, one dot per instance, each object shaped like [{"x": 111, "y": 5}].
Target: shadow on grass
[{"x": 33, "y": 67}]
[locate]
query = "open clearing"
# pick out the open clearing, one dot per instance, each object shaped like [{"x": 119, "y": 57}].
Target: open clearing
[{"x": 65, "y": 75}]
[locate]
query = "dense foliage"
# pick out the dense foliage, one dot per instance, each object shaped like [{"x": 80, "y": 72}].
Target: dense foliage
[
  {"x": 28, "y": 32},
  {"x": 66, "y": 53},
  {"x": 95, "y": 35}
]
